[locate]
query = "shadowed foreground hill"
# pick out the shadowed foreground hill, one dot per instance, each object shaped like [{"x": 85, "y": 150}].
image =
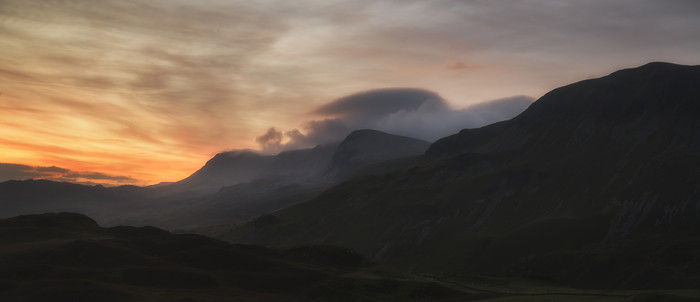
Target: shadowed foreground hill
[
  {"x": 68, "y": 257},
  {"x": 594, "y": 185}
]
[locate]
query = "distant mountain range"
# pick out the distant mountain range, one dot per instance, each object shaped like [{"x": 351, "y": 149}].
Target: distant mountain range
[
  {"x": 320, "y": 165},
  {"x": 234, "y": 185},
  {"x": 596, "y": 184}
]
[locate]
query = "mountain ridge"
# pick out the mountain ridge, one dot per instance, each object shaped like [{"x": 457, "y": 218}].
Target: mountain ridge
[{"x": 577, "y": 100}]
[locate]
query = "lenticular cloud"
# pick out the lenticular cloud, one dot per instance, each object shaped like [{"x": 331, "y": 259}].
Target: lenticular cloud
[{"x": 410, "y": 112}]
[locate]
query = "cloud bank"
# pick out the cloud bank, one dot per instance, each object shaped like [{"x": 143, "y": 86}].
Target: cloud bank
[
  {"x": 403, "y": 111},
  {"x": 10, "y": 171}
]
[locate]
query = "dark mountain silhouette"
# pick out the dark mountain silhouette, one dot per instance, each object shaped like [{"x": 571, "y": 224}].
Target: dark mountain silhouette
[
  {"x": 636, "y": 100},
  {"x": 593, "y": 185}
]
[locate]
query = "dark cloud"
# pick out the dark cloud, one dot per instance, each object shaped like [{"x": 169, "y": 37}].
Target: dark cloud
[
  {"x": 10, "y": 171},
  {"x": 97, "y": 176},
  {"x": 409, "y": 112},
  {"x": 51, "y": 169},
  {"x": 20, "y": 172}
]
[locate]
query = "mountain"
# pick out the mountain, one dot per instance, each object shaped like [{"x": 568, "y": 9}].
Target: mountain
[
  {"x": 594, "y": 185},
  {"x": 242, "y": 166},
  {"x": 280, "y": 180},
  {"x": 223, "y": 169}
]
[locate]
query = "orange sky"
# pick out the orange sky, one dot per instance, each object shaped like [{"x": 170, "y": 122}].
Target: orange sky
[{"x": 139, "y": 92}]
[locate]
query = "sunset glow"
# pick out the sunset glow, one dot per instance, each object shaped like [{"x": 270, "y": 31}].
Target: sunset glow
[{"x": 141, "y": 92}]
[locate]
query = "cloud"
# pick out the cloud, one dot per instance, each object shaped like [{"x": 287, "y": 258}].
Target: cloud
[
  {"x": 410, "y": 112},
  {"x": 376, "y": 103},
  {"x": 271, "y": 140},
  {"x": 96, "y": 176},
  {"x": 431, "y": 124},
  {"x": 17, "y": 171},
  {"x": 9, "y": 171},
  {"x": 51, "y": 169}
]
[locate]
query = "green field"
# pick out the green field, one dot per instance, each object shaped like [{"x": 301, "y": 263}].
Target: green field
[{"x": 379, "y": 283}]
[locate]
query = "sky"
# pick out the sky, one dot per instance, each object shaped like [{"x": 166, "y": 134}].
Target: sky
[{"x": 145, "y": 91}]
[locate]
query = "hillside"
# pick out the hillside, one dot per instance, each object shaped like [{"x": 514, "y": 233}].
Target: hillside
[{"x": 593, "y": 185}]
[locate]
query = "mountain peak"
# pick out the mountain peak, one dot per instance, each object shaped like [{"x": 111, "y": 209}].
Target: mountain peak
[
  {"x": 366, "y": 133},
  {"x": 652, "y": 87},
  {"x": 658, "y": 65},
  {"x": 366, "y": 146},
  {"x": 238, "y": 153},
  {"x": 656, "y": 95}
]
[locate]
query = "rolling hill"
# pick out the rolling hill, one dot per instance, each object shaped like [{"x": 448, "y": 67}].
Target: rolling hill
[{"x": 68, "y": 257}]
